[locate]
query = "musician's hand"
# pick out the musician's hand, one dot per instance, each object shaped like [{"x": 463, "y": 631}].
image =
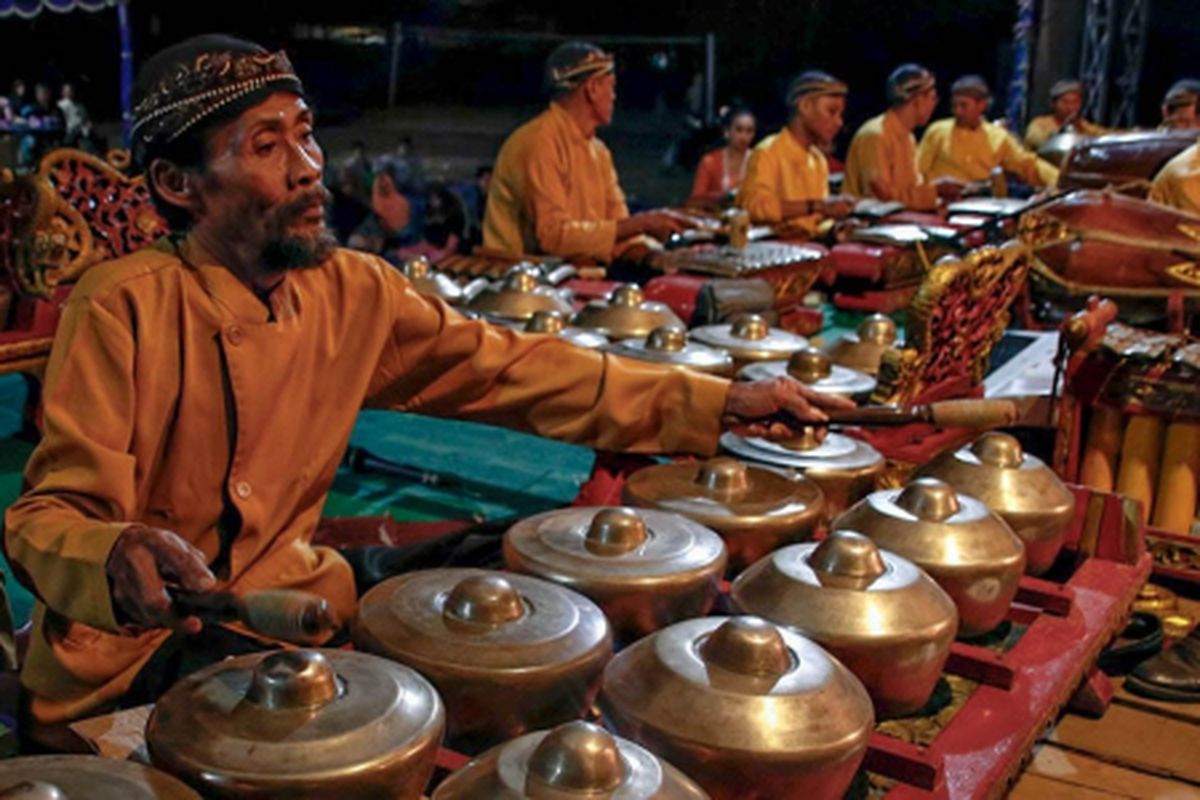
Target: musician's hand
[
  {"x": 749, "y": 407},
  {"x": 142, "y": 560},
  {"x": 949, "y": 188},
  {"x": 838, "y": 206},
  {"x": 658, "y": 224}
]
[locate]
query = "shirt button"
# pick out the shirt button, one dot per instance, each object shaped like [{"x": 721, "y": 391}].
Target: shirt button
[
  {"x": 242, "y": 489},
  {"x": 234, "y": 334}
]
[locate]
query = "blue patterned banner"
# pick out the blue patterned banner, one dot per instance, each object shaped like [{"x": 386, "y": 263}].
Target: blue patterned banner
[
  {"x": 1018, "y": 88},
  {"x": 31, "y": 8}
]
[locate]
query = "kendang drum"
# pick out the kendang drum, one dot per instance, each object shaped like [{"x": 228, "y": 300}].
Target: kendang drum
[
  {"x": 575, "y": 760},
  {"x": 846, "y": 469},
  {"x": 91, "y": 777},
  {"x": 747, "y": 709},
  {"x": 300, "y": 724},
  {"x": 816, "y": 371},
  {"x": 627, "y": 314},
  {"x": 754, "y": 510},
  {"x": 1017, "y": 486},
  {"x": 508, "y": 653},
  {"x": 645, "y": 569},
  {"x": 749, "y": 339},
  {"x": 962, "y": 544},
  {"x": 669, "y": 345},
  {"x": 876, "y": 612},
  {"x": 1121, "y": 247},
  {"x": 1127, "y": 161},
  {"x": 1059, "y": 146}
]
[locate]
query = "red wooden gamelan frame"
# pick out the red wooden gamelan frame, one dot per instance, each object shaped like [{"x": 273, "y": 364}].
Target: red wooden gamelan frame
[{"x": 982, "y": 750}]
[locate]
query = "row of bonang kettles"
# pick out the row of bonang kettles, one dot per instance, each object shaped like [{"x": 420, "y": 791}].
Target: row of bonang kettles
[{"x": 775, "y": 702}]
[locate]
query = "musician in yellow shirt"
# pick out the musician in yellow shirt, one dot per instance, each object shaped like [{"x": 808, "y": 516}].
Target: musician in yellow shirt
[
  {"x": 1066, "y": 99},
  {"x": 882, "y": 162},
  {"x": 554, "y": 189},
  {"x": 1177, "y": 184},
  {"x": 968, "y": 147},
  {"x": 787, "y": 179},
  {"x": 1179, "y": 105}
]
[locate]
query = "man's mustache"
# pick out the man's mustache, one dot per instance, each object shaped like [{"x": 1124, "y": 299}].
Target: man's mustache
[{"x": 294, "y": 209}]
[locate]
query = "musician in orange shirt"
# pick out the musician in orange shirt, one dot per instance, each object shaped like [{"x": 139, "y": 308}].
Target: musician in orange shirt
[
  {"x": 555, "y": 190},
  {"x": 201, "y": 391}
]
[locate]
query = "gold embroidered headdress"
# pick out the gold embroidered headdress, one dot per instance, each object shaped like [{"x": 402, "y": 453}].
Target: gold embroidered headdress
[
  {"x": 971, "y": 86},
  {"x": 908, "y": 81},
  {"x": 573, "y": 63},
  {"x": 1066, "y": 86},
  {"x": 1183, "y": 93},
  {"x": 815, "y": 82},
  {"x": 202, "y": 78}
]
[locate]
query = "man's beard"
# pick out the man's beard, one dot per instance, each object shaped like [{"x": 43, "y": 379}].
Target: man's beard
[{"x": 285, "y": 250}]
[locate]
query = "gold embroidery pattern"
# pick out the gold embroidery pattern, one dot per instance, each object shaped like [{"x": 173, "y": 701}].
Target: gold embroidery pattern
[{"x": 212, "y": 81}]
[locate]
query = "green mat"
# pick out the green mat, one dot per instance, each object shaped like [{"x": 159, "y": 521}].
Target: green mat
[
  {"x": 499, "y": 473},
  {"x": 14, "y": 453}
]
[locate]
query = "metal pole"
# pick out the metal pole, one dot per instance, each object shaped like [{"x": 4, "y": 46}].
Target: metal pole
[
  {"x": 1058, "y": 41},
  {"x": 394, "y": 67},
  {"x": 126, "y": 68},
  {"x": 1133, "y": 51},
  {"x": 1097, "y": 56},
  {"x": 710, "y": 78},
  {"x": 1018, "y": 89}
]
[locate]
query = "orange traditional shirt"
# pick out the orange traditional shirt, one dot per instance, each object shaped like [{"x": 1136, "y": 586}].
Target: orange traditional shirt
[
  {"x": 173, "y": 394},
  {"x": 781, "y": 169},
  {"x": 882, "y": 163},
  {"x": 555, "y": 191}
]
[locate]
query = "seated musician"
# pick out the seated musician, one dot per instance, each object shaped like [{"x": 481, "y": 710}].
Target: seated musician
[
  {"x": 201, "y": 391},
  {"x": 1179, "y": 105},
  {"x": 1177, "y": 184},
  {"x": 1066, "y": 100},
  {"x": 554, "y": 190},
  {"x": 721, "y": 171},
  {"x": 968, "y": 147},
  {"x": 787, "y": 180},
  {"x": 882, "y": 162}
]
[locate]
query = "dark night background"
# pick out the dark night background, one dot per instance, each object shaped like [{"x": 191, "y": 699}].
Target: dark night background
[{"x": 761, "y": 43}]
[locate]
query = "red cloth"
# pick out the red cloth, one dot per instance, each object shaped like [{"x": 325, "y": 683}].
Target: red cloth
[
  {"x": 355, "y": 532},
  {"x": 861, "y": 260},
  {"x": 585, "y": 290},
  {"x": 884, "y": 301},
  {"x": 604, "y": 487},
  {"x": 679, "y": 292},
  {"x": 33, "y": 318},
  {"x": 914, "y": 218},
  {"x": 802, "y": 320}
]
